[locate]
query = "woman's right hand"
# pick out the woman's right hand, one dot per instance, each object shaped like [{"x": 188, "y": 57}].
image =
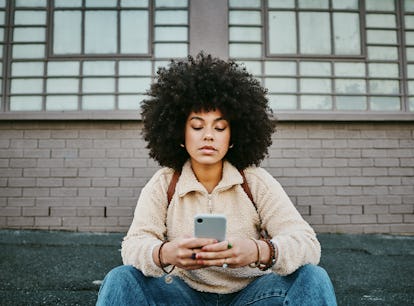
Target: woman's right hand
[{"x": 181, "y": 252}]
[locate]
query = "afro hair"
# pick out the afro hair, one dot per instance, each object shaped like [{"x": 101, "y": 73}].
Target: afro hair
[{"x": 206, "y": 83}]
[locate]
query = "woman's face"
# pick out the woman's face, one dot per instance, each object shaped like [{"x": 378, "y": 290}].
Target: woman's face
[{"x": 207, "y": 137}]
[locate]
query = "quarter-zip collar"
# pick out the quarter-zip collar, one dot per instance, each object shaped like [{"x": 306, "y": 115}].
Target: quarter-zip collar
[{"x": 189, "y": 183}]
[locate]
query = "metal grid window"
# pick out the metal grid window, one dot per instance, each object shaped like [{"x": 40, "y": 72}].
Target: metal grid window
[
  {"x": 327, "y": 55},
  {"x": 87, "y": 55}
]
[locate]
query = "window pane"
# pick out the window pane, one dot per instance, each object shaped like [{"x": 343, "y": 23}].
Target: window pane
[
  {"x": 345, "y": 4},
  {"x": 409, "y": 21},
  {"x": 62, "y": 85},
  {"x": 99, "y": 68},
  {"x": 282, "y": 33},
  {"x": 244, "y": 3},
  {"x": 382, "y": 53},
  {"x": 171, "y": 17},
  {"x": 347, "y": 103},
  {"x": 27, "y": 103},
  {"x": 380, "y": 21},
  {"x": 98, "y": 102},
  {"x": 409, "y": 5},
  {"x": 410, "y": 54},
  {"x": 245, "y": 34},
  {"x": 313, "y": 4},
  {"x": 350, "y": 86},
  {"x": 385, "y": 103},
  {"x": 29, "y": 35},
  {"x": 315, "y": 36},
  {"x": 129, "y": 101},
  {"x": 281, "y": 3},
  {"x": 27, "y": 69},
  {"x": 316, "y": 102},
  {"x": 171, "y": 34},
  {"x": 384, "y": 87},
  {"x": 171, "y": 3},
  {"x": 350, "y": 69},
  {"x": 252, "y": 67},
  {"x": 282, "y": 102},
  {"x": 30, "y": 17},
  {"x": 383, "y": 70},
  {"x": 28, "y": 51},
  {"x": 280, "y": 68},
  {"x": 98, "y": 85},
  {"x": 245, "y": 50},
  {"x": 409, "y": 38},
  {"x": 411, "y": 87},
  {"x": 346, "y": 33},
  {"x": 59, "y": 103},
  {"x": 315, "y": 69},
  {"x": 134, "y": 84},
  {"x": 382, "y": 37},
  {"x": 134, "y": 3},
  {"x": 410, "y": 72},
  {"x": 315, "y": 85},
  {"x": 411, "y": 106},
  {"x": 67, "y": 32},
  {"x": 100, "y": 32},
  {"x": 62, "y": 68},
  {"x": 31, "y": 3},
  {"x": 280, "y": 85},
  {"x": 100, "y": 3},
  {"x": 66, "y": 3},
  {"x": 380, "y": 5},
  {"x": 134, "y": 68},
  {"x": 25, "y": 86},
  {"x": 245, "y": 18},
  {"x": 134, "y": 32},
  {"x": 170, "y": 50}
]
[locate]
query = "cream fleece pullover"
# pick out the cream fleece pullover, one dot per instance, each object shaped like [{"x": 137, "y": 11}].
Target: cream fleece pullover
[{"x": 155, "y": 220}]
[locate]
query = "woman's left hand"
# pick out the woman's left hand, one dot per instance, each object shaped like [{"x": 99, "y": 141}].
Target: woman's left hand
[{"x": 232, "y": 253}]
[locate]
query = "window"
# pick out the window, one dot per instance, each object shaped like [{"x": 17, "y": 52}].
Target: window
[
  {"x": 88, "y": 55},
  {"x": 325, "y": 55},
  {"x": 93, "y": 27}
]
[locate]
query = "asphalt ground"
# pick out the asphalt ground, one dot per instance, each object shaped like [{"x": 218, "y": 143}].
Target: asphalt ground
[{"x": 65, "y": 268}]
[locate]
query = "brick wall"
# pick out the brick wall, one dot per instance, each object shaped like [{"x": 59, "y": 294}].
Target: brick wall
[{"x": 87, "y": 176}]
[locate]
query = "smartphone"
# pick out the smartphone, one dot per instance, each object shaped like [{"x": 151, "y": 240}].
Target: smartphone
[{"x": 210, "y": 226}]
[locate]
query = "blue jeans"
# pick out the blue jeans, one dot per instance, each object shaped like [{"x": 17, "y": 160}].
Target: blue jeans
[{"x": 126, "y": 285}]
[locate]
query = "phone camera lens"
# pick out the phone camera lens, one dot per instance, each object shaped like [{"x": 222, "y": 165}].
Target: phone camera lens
[{"x": 199, "y": 220}]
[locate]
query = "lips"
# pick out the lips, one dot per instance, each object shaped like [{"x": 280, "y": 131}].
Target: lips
[{"x": 208, "y": 149}]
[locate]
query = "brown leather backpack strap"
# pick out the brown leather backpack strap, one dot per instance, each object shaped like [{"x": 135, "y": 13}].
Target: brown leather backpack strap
[
  {"x": 246, "y": 188},
  {"x": 171, "y": 187}
]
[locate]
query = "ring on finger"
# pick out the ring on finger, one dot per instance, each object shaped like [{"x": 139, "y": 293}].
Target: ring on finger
[
  {"x": 193, "y": 256},
  {"x": 225, "y": 265},
  {"x": 229, "y": 245}
]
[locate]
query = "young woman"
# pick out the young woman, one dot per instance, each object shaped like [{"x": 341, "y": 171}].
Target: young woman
[{"x": 208, "y": 122}]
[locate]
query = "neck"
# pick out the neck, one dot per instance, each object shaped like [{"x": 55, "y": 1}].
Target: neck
[{"x": 208, "y": 175}]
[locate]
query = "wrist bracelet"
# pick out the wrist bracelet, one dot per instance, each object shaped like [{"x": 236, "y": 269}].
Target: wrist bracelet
[
  {"x": 272, "y": 259},
  {"x": 257, "y": 263},
  {"x": 160, "y": 259}
]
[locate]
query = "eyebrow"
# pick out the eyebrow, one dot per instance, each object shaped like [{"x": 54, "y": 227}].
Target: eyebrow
[{"x": 199, "y": 118}]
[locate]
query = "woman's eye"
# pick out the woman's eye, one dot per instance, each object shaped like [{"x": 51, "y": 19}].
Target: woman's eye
[
  {"x": 196, "y": 128},
  {"x": 220, "y": 129}
]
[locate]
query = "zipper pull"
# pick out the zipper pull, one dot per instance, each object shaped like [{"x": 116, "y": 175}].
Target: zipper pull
[{"x": 210, "y": 204}]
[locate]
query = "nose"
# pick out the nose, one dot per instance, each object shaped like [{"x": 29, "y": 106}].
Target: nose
[{"x": 208, "y": 135}]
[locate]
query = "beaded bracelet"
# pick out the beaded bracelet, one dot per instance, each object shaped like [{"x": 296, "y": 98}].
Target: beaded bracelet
[
  {"x": 273, "y": 256},
  {"x": 160, "y": 259},
  {"x": 257, "y": 263}
]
